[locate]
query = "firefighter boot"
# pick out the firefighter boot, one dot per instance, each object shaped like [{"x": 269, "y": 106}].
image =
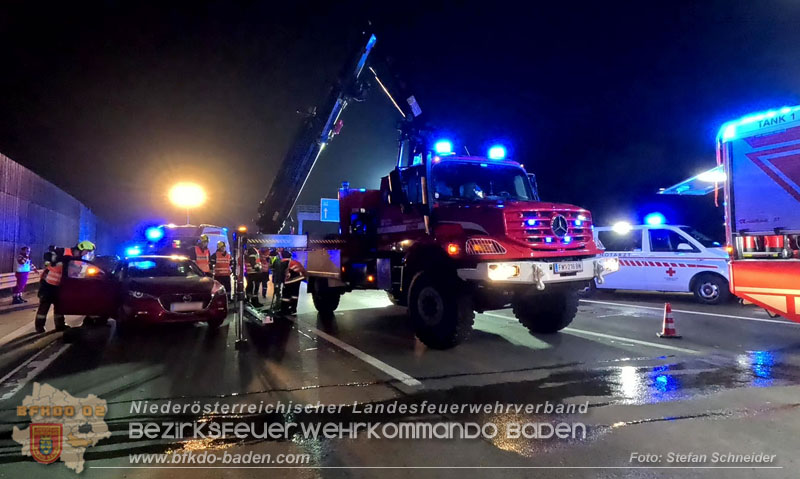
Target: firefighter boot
[
  {"x": 39, "y": 323},
  {"x": 61, "y": 324}
]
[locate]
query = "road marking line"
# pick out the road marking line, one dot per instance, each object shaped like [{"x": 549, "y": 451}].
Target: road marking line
[
  {"x": 28, "y": 327},
  {"x": 371, "y": 360},
  {"x": 634, "y": 341},
  {"x": 37, "y": 368},
  {"x": 618, "y": 338},
  {"x": 746, "y": 318}
]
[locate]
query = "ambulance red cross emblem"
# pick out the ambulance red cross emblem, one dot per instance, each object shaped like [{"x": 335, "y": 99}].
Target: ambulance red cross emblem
[
  {"x": 46, "y": 442},
  {"x": 671, "y": 272}
]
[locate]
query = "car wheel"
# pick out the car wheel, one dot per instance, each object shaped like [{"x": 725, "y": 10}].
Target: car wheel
[
  {"x": 711, "y": 289},
  {"x": 215, "y": 323},
  {"x": 546, "y": 313},
  {"x": 441, "y": 315}
]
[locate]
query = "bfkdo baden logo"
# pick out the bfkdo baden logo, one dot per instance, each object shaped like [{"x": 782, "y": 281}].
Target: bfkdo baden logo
[
  {"x": 46, "y": 442},
  {"x": 62, "y": 426}
]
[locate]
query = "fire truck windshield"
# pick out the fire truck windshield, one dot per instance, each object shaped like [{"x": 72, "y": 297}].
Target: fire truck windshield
[{"x": 466, "y": 181}]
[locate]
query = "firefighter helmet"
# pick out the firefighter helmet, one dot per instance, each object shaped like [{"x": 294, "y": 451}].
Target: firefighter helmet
[
  {"x": 86, "y": 246},
  {"x": 203, "y": 238},
  {"x": 220, "y": 244}
]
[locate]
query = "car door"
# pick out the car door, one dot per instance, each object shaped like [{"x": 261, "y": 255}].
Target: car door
[
  {"x": 87, "y": 290},
  {"x": 671, "y": 257},
  {"x": 627, "y": 246}
]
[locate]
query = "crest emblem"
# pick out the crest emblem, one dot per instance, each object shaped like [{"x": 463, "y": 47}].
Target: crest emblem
[{"x": 46, "y": 442}]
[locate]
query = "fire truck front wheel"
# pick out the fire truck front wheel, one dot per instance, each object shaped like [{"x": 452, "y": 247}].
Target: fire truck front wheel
[
  {"x": 325, "y": 299},
  {"x": 442, "y": 315},
  {"x": 546, "y": 313}
]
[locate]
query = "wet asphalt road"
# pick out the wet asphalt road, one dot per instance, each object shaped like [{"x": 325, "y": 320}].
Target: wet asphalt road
[{"x": 730, "y": 385}]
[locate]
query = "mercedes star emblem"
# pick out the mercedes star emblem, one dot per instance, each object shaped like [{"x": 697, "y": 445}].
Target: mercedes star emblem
[
  {"x": 559, "y": 225},
  {"x": 187, "y": 297}
]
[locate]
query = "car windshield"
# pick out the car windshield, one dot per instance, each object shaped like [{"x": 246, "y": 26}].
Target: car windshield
[
  {"x": 454, "y": 180},
  {"x": 161, "y": 267},
  {"x": 700, "y": 237}
]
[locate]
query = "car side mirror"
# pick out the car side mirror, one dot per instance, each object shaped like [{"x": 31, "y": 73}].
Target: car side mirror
[
  {"x": 396, "y": 194},
  {"x": 685, "y": 247}
]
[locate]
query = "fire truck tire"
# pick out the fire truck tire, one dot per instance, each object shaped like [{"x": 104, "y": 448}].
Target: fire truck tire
[
  {"x": 546, "y": 313},
  {"x": 441, "y": 315},
  {"x": 326, "y": 300},
  {"x": 710, "y": 289}
]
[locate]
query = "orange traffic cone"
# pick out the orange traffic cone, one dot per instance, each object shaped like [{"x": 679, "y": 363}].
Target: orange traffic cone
[{"x": 668, "y": 328}]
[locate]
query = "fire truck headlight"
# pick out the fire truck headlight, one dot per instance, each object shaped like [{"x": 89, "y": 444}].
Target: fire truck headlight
[{"x": 503, "y": 271}]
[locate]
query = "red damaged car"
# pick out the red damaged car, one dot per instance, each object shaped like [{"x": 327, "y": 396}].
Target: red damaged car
[{"x": 143, "y": 289}]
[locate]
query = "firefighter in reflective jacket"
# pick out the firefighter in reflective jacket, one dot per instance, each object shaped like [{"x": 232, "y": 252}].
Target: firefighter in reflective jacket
[
  {"x": 295, "y": 274},
  {"x": 50, "y": 286},
  {"x": 253, "y": 274},
  {"x": 202, "y": 255},
  {"x": 222, "y": 265}
]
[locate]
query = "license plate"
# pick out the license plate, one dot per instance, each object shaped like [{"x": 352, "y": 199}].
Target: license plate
[
  {"x": 571, "y": 267},
  {"x": 183, "y": 307}
]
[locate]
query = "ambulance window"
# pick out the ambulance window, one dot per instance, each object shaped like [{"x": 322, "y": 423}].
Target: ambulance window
[
  {"x": 663, "y": 240},
  {"x": 613, "y": 241}
]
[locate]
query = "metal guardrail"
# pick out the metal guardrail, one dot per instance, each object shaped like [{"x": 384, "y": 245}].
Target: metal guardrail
[{"x": 9, "y": 280}]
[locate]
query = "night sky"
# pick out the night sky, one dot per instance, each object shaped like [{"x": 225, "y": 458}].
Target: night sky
[{"x": 605, "y": 102}]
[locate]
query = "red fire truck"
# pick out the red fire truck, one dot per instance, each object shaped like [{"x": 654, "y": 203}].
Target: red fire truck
[
  {"x": 760, "y": 154},
  {"x": 444, "y": 235}
]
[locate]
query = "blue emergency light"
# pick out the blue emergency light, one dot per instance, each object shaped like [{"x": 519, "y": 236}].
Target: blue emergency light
[
  {"x": 655, "y": 219},
  {"x": 497, "y": 152},
  {"x": 154, "y": 233},
  {"x": 133, "y": 251},
  {"x": 443, "y": 147}
]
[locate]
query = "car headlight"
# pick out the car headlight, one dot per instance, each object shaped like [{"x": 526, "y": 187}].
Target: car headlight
[
  {"x": 610, "y": 265},
  {"x": 502, "y": 272}
]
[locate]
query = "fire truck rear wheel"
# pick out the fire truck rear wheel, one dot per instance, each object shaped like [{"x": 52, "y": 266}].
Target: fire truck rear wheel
[
  {"x": 442, "y": 316},
  {"x": 546, "y": 313},
  {"x": 326, "y": 300}
]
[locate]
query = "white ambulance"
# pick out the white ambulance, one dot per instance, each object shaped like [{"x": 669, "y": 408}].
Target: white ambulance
[{"x": 666, "y": 258}]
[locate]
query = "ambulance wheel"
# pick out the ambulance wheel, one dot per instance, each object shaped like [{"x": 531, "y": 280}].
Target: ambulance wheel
[
  {"x": 441, "y": 315},
  {"x": 548, "y": 312},
  {"x": 710, "y": 289}
]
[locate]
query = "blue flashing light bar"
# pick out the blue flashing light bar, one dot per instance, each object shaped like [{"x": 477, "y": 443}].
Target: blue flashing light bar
[
  {"x": 730, "y": 130},
  {"x": 655, "y": 219},
  {"x": 443, "y": 147},
  {"x": 154, "y": 233},
  {"x": 133, "y": 251},
  {"x": 497, "y": 152}
]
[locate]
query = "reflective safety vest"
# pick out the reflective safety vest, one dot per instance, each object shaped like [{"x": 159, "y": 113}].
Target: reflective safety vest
[
  {"x": 253, "y": 261},
  {"x": 203, "y": 259},
  {"x": 222, "y": 266},
  {"x": 55, "y": 271}
]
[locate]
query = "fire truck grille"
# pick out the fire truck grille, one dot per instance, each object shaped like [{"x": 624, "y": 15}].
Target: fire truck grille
[
  {"x": 484, "y": 246},
  {"x": 535, "y": 227}
]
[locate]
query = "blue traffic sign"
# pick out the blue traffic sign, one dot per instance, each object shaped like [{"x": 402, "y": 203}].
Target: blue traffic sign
[{"x": 329, "y": 210}]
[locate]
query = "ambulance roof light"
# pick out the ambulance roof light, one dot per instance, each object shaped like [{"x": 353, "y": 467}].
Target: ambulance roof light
[
  {"x": 655, "y": 219},
  {"x": 154, "y": 233},
  {"x": 622, "y": 227}
]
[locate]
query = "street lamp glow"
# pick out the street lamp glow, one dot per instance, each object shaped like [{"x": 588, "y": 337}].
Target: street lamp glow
[{"x": 187, "y": 195}]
